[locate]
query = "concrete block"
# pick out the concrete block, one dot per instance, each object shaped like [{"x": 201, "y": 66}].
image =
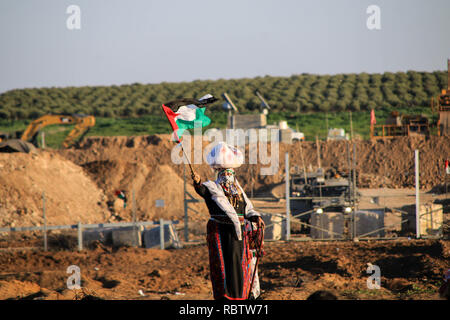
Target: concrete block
[
  {"x": 367, "y": 221},
  {"x": 431, "y": 219},
  {"x": 392, "y": 222},
  {"x": 127, "y": 236},
  {"x": 104, "y": 235},
  {"x": 331, "y": 221},
  {"x": 151, "y": 237},
  {"x": 278, "y": 230},
  {"x": 246, "y": 121},
  {"x": 286, "y": 136}
]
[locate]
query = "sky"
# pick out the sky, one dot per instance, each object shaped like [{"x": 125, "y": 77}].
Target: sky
[{"x": 151, "y": 41}]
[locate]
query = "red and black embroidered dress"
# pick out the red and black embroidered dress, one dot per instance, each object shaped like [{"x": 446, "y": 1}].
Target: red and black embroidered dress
[{"x": 229, "y": 258}]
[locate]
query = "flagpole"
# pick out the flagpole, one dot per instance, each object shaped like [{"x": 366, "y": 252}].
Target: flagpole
[{"x": 190, "y": 166}]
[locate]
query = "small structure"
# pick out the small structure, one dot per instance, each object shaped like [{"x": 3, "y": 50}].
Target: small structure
[{"x": 337, "y": 134}]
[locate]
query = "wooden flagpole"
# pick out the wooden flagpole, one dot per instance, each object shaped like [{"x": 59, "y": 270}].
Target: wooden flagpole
[{"x": 190, "y": 165}]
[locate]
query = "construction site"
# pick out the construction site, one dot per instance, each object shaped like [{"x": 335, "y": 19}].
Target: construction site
[
  {"x": 77, "y": 186},
  {"x": 333, "y": 210},
  {"x": 317, "y": 195}
]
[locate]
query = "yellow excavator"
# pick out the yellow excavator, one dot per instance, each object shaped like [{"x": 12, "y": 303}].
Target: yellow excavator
[{"x": 82, "y": 125}]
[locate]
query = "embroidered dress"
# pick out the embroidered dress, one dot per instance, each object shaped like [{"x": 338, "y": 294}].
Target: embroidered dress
[{"x": 231, "y": 260}]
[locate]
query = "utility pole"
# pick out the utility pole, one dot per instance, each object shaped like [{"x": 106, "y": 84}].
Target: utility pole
[
  {"x": 318, "y": 152},
  {"x": 303, "y": 163},
  {"x": 416, "y": 158},
  {"x": 288, "y": 205},
  {"x": 136, "y": 229},
  {"x": 354, "y": 190},
  {"x": 186, "y": 226}
]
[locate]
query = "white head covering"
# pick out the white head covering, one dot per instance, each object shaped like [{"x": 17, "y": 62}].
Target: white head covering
[{"x": 224, "y": 156}]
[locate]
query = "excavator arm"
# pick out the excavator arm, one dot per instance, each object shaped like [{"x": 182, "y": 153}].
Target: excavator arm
[
  {"x": 82, "y": 124},
  {"x": 81, "y": 128}
]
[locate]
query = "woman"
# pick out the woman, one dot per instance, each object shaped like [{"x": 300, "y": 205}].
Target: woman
[{"x": 229, "y": 233}]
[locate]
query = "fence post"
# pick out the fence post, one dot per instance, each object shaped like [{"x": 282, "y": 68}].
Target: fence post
[
  {"x": 288, "y": 205},
  {"x": 80, "y": 236},
  {"x": 186, "y": 222},
  {"x": 135, "y": 226},
  {"x": 43, "y": 146},
  {"x": 416, "y": 156},
  {"x": 355, "y": 209},
  {"x": 45, "y": 222},
  {"x": 161, "y": 233}
]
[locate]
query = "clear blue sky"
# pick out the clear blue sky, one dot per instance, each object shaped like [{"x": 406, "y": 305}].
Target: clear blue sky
[{"x": 150, "y": 41}]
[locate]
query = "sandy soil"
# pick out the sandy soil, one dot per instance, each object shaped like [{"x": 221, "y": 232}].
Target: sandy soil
[{"x": 289, "y": 271}]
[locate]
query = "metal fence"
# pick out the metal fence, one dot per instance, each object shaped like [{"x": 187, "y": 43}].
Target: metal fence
[
  {"x": 378, "y": 216},
  {"x": 79, "y": 227},
  {"x": 374, "y": 216}
]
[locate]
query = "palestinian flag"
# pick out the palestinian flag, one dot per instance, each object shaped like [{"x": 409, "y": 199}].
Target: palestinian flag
[
  {"x": 121, "y": 195},
  {"x": 188, "y": 114}
]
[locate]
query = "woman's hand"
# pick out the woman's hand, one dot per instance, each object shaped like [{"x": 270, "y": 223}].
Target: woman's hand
[
  {"x": 196, "y": 178},
  {"x": 259, "y": 222}
]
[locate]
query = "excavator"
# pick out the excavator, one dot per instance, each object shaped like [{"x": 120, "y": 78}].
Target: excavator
[{"x": 82, "y": 125}]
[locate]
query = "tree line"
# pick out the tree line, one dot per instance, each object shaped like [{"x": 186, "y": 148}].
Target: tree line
[{"x": 297, "y": 93}]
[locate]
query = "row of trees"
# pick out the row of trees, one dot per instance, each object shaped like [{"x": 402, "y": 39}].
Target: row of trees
[{"x": 298, "y": 93}]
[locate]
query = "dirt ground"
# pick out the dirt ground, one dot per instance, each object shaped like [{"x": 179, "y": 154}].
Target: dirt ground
[
  {"x": 410, "y": 269},
  {"x": 79, "y": 185}
]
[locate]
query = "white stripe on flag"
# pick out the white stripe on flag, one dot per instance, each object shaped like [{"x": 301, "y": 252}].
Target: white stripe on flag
[{"x": 187, "y": 113}]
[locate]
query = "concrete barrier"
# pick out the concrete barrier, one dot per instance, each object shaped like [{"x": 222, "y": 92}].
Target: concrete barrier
[
  {"x": 367, "y": 221},
  {"x": 332, "y": 221},
  {"x": 278, "y": 230},
  {"x": 127, "y": 236},
  {"x": 431, "y": 219},
  {"x": 392, "y": 223},
  {"x": 103, "y": 235},
  {"x": 152, "y": 237}
]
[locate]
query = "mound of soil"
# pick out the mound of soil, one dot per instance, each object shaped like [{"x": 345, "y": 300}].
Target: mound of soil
[
  {"x": 148, "y": 184},
  {"x": 382, "y": 163},
  {"x": 70, "y": 194}
]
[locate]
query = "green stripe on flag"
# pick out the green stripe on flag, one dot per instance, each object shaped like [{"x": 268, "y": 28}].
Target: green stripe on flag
[{"x": 201, "y": 120}]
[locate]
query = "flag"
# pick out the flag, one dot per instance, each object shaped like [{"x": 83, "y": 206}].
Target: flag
[
  {"x": 187, "y": 115},
  {"x": 373, "y": 120},
  {"x": 121, "y": 195}
]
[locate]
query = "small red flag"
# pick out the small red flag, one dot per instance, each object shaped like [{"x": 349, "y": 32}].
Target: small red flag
[{"x": 373, "y": 120}]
